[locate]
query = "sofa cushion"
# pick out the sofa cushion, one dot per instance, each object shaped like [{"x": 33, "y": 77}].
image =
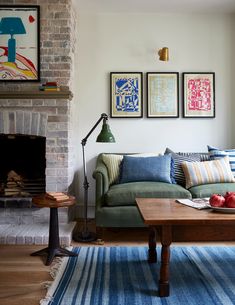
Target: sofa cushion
[
  {"x": 206, "y": 190},
  {"x": 125, "y": 194},
  {"x": 113, "y": 161},
  {"x": 178, "y": 159},
  {"x": 135, "y": 169},
  {"x": 214, "y": 171},
  {"x": 216, "y": 153}
]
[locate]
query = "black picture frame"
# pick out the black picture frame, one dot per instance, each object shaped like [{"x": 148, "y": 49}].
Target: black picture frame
[
  {"x": 162, "y": 94},
  {"x": 198, "y": 94},
  {"x": 126, "y": 94},
  {"x": 22, "y": 49}
]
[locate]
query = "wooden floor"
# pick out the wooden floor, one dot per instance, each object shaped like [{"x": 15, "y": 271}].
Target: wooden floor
[{"x": 22, "y": 277}]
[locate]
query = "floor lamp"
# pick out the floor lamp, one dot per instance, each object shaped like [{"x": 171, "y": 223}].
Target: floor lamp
[{"x": 105, "y": 136}]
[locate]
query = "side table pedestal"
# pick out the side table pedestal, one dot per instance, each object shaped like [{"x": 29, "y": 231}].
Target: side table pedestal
[{"x": 53, "y": 248}]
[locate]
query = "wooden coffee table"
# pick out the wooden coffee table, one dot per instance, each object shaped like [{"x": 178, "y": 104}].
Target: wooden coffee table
[{"x": 172, "y": 221}]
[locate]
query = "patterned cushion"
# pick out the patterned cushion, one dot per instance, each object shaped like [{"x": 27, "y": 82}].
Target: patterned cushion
[
  {"x": 113, "y": 161},
  {"x": 216, "y": 153},
  {"x": 203, "y": 156},
  {"x": 156, "y": 169},
  {"x": 178, "y": 159},
  {"x": 215, "y": 171}
]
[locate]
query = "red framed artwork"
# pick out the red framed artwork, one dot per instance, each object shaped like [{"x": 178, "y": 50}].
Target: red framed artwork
[{"x": 199, "y": 95}]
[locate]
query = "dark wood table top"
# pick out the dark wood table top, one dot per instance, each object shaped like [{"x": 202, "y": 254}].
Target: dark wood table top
[
  {"x": 163, "y": 211},
  {"x": 43, "y": 202}
]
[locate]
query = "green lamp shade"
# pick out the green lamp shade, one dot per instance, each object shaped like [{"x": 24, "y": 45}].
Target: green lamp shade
[{"x": 105, "y": 135}]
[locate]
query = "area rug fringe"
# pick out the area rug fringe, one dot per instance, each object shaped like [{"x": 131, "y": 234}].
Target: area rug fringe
[{"x": 56, "y": 272}]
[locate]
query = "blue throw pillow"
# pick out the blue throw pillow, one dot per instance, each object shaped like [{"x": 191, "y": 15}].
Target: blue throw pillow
[
  {"x": 216, "y": 153},
  {"x": 157, "y": 169}
]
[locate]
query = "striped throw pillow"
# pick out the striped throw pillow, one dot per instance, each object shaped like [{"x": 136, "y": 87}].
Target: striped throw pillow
[
  {"x": 215, "y": 171},
  {"x": 113, "y": 162},
  {"x": 216, "y": 153},
  {"x": 178, "y": 158}
]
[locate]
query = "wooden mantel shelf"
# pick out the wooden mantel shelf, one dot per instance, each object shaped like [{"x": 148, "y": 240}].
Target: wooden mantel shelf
[{"x": 36, "y": 94}]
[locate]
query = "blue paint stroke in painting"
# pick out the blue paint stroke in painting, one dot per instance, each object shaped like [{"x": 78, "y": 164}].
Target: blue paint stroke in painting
[{"x": 127, "y": 94}]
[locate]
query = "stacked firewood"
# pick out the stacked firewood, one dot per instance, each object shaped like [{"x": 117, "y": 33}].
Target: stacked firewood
[{"x": 14, "y": 184}]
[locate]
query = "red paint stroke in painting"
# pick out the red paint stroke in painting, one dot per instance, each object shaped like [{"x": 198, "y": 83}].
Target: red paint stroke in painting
[
  {"x": 27, "y": 62},
  {"x": 31, "y": 19},
  {"x": 199, "y": 94}
]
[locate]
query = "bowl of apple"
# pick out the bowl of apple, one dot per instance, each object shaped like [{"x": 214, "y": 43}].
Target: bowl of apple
[{"x": 224, "y": 204}]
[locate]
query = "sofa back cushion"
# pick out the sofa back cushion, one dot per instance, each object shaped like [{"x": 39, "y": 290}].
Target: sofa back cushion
[
  {"x": 113, "y": 162},
  {"x": 178, "y": 158},
  {"x": 215, "y": 171},
  {"x": 135, "y": 169},
  {"x": 216, "y": 153}
]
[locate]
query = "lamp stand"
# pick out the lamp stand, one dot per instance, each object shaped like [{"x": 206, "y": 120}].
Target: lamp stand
[
  {"x": 85, "y": 235},
  {"x": 105, "y": 136}
]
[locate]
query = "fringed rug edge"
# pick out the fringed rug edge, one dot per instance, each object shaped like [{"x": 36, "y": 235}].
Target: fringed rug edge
[{"x": 56, "y": 272}]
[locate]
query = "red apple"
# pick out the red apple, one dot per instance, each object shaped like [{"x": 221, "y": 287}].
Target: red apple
[
  {"x": 228, "y": 194},
  {"x": 230, "y": 201},
  {"x": 217, "y": 200}
]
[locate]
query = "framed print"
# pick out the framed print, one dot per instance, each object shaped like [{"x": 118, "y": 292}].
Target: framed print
[
  {"x": 162, "y": 94},
  {"x": 19, "y": 43},
  {"x": 199, "y": 95},
  {"x": 126, "y": 94}
]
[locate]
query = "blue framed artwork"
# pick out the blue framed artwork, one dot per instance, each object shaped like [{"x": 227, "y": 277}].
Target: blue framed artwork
[
  {"x": 162, "y": 94},
  {"x": 19, "y": 43},
  {"x": 126, "y": 94}
]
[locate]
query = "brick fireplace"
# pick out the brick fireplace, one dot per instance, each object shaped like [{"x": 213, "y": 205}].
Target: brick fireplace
[
  {"x": 44, "y": 118},
  {"x": 25, "y": 111}
]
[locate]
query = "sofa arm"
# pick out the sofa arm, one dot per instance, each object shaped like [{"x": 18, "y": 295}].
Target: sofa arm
[{"x": 100, "y": 174}]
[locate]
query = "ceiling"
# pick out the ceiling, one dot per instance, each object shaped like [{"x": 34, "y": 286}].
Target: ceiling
[{"x": 155, "y": 6}]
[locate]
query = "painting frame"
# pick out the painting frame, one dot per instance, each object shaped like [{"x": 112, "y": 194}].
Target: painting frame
[
  {"x": 203, "y": 92},
  {"x": 126, "y": 94},
  {"x": 162, "y": 94},
  {"x": 22, "y": 58}
]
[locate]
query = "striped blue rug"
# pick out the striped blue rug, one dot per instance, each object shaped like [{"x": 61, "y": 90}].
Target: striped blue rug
[{"x": 122, "y": 276}]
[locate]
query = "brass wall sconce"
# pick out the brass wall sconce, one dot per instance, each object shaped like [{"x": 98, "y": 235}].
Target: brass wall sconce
[{"x": 163, "y": 54}]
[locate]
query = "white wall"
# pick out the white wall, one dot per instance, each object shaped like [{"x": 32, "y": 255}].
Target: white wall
[{"x": 129, "y": 42}]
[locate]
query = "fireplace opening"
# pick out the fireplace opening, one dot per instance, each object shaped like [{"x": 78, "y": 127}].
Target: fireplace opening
[{"x": 22, "y": 165}]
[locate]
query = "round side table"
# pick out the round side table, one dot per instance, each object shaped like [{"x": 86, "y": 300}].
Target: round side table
[{"x": 53, "y": 248}]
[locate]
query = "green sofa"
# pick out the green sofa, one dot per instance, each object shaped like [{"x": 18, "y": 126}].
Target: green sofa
[{"x": 116, "y": 206}]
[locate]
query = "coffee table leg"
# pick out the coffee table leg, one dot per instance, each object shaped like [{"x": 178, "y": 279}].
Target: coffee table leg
[
  {"x": 152, "y": 253},
  {"x": 166, "y": 238}
]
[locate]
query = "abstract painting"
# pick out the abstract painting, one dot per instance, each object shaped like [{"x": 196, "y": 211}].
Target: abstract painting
[
  {"x": 162, "y": 94},
  {"x": 19, "y": 43},
  {"x": 126, "y": 94},
  {"x": 199, "y": 95}
]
